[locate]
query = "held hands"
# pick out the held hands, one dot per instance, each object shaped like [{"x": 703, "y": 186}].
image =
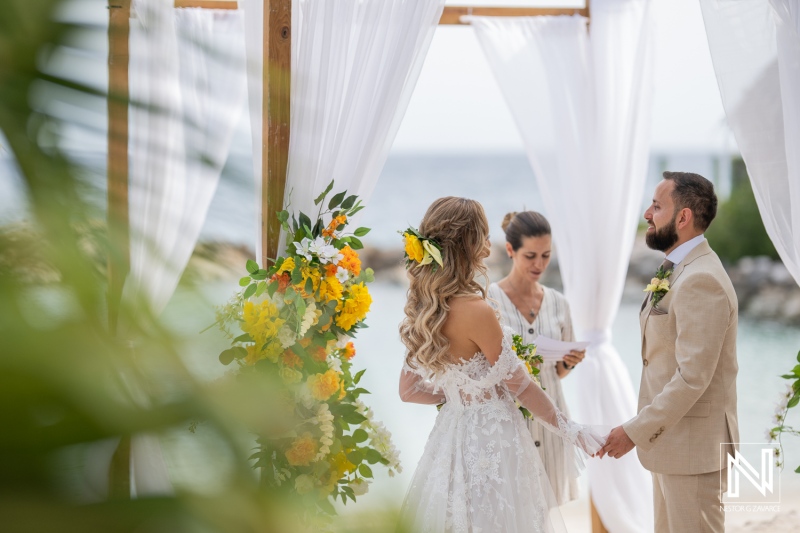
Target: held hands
[{"x": 617, "y": 445}]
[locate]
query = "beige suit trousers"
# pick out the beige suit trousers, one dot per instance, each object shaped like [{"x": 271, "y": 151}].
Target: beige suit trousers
[{"x": 689, "y": 503}]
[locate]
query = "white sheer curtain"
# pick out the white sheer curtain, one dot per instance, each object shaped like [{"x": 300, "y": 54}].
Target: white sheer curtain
[
  {"x": 755, "y": 48},
  {"x": 187, "y": 87},
  {"x": 354, "y": 66},
  {"x": 582, "y": 103}
]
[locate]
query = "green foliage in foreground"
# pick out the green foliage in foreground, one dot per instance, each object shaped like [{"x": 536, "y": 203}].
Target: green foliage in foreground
[{"x": 738, "y": 231}]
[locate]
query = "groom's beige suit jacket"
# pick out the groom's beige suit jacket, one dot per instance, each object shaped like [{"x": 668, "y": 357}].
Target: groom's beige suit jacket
[{"x": 687, "y": 399}]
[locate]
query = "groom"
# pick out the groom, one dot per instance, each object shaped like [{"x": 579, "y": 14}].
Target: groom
[{"x": 687, "y": 399}]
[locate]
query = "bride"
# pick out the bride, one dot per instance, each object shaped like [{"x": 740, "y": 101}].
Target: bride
[{"x": 480, "y": 471}]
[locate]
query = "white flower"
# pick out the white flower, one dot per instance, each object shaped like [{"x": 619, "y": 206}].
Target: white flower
[
  {"x": 304, "y": 484},
  {"x": 334, "y": 363},
  {"x": 286, "y": 337},
  {"x": 308, "y": 319},
  {"x": 304, "y": 248},
  {"x": 359, "y": 486},
  {"x": 305, "y": 398},
  {"x": 342, "y": 274},
  {"x": 325, "y": 419},
  {"x": 342, "y": 341}
]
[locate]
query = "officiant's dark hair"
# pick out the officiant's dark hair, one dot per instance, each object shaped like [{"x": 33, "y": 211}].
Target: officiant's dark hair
[
  {"x": 695, "y": 192},
  {"x": 525, "y": 224}
]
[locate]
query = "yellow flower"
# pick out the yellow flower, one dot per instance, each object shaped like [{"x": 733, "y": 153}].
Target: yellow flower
[
  {"x": 528, "y": 366},
  {"x": 309, "y": 273},
  {"x": 302, "y": 450},
  {"x": 330, "y": 289},
  {"x": 323, "y": 386},
  {"x": 664, "y": 285},
  {"x": 261, "y": 321},
  {"x": 290, "y": 375},
  {"x": 655, "y": 283},
  {"x": 413, "y": 247},
  {"x": 349, "y": 351},
  {"x": 287, "y": 266},
  {"x": 355, "y": 307}
]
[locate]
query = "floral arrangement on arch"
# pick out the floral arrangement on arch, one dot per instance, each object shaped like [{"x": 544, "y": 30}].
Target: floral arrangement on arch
[{"x": 295, "y": 322}]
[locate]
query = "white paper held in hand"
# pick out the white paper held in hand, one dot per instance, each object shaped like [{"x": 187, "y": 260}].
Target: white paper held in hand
[{"x": 554, "y": 350}]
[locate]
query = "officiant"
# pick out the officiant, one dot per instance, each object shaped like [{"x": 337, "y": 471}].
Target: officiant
[{"x": 532, "y": 309}]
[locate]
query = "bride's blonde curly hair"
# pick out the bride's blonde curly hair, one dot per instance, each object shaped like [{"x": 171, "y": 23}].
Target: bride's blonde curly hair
[{"x": 459, "y": 225}]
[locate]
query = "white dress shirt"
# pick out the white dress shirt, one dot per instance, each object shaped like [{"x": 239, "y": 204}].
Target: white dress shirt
[{"x": 679, "y": 254}]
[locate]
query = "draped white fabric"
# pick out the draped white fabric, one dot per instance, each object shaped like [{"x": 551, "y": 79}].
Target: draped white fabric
[
  {"x": 582, "y": 103},
  {"x": 187, "y": 88},
  {"x": 755, "y": 48},
  {"x": 354, "y": 66}
]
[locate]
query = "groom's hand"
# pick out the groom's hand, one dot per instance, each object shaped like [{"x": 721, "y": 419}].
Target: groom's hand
[{"x": 617, "y": 445}]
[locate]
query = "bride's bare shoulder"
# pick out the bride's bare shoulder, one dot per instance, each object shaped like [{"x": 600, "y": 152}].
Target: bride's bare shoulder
[{"x": 471, "y": 310}]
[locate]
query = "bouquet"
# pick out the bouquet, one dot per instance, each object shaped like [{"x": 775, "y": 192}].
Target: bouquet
[
  {"x": 527, "y": 353},
  {"x": 294, "y": 322}
]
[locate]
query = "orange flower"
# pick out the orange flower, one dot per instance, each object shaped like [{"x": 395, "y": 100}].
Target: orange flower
[
  {"x": 350, "y": 261},
  {"x": 304, "y": 342},
  {"x": 349, "y": 351},
  {"x": 335, "y": 223},
  {"x": 291, "y": 359},
  {"x": 319, "y": 353},
  {"x": 323, "y": 386},
  {"x": 330, "y": 269},
  {"x": 283, "y": 281},
  {"x": 302, "y": 450}
]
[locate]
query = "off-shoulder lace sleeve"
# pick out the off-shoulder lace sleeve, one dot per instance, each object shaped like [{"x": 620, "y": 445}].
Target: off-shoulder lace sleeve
[
  {"x": 510, "y": 370},
  {"x": 415, "y": 388}
]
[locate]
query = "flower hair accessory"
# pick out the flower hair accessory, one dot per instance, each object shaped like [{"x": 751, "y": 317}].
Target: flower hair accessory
[{"x": 422, "y": 250}]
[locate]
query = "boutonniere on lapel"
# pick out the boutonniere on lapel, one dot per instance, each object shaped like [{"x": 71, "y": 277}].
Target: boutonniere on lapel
[{"x": 659, "y": 285}]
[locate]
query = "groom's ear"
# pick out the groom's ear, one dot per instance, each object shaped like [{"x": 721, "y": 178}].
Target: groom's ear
[{"x": 685, "y": 219}]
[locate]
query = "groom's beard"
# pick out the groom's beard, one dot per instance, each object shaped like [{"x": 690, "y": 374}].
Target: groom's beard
[{"x": 664, "y": 238}]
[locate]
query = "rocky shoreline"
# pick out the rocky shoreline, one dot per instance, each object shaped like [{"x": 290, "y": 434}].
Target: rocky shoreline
[{"x": 765, "y": 289}]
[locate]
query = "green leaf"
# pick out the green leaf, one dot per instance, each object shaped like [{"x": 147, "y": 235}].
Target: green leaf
[
  {"x": 301, "y": 306},
  {"x": 356, "y": 210},
  {"x": 262, "y": 286},
  {"x": 336, "y": 200},
  {"x": 238, "y": 352},
  {"x": 348, "y": 441},
  {"x": 796, "y": 370},
  {"x": 360, "y": 232},
  {"x": 349, "y": 201},
  {"x": 226, "y": 357},
  {"x": 364, "y": 470},
  {"x": 794, "y": 401},
  {"x": 250, "y": 290},
  {"x": 789, "y": 376},
  {"x": 326, "y": 506},
  {"x": 798, "y": 357},
  {"x": 360, "y": 435},
  {"x": 369, "y": 275},
  {"x": 373, "y": 456},
  {"x": 354, "y": 418},
  {"x": 797, "y": 470},
  {"x": 355, "y": 243},
  {"x": 309, "y": 288},
  {"x": 336, "y": 447},
  {"x": 272, "y": 288},
  {"x": 260, "y": 275},
  {"x": 251, "y": 266},
  {"x": 355, "y": 457},
  {"x": 297, "y": 275},
  {"x": 317, "y": 230},
  {"x": 360, "y": 391},
  {"x": 357, "y": 377},
  {"x": 245, "y": 337},
  {"x": 244, "y": 282},
  {"x": 324, "y": 193},
  {"x": 305, "y": 222},
  {"x": 796, "y": 386}
]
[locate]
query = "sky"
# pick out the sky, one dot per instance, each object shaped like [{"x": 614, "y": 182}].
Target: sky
[{"x": 457, "y": 106}]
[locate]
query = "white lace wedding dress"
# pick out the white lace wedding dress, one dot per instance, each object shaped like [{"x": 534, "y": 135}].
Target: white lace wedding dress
[{"x": 480, "y": 471}]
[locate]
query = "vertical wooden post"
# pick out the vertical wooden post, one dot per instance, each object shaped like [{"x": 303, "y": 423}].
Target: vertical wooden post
[
  {"x": 275, "y": 126},
  {"x": 119, "y": 12}
]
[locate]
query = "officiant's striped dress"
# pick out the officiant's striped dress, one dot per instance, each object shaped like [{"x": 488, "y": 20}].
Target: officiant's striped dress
[{"x": 554, "y": 321}]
